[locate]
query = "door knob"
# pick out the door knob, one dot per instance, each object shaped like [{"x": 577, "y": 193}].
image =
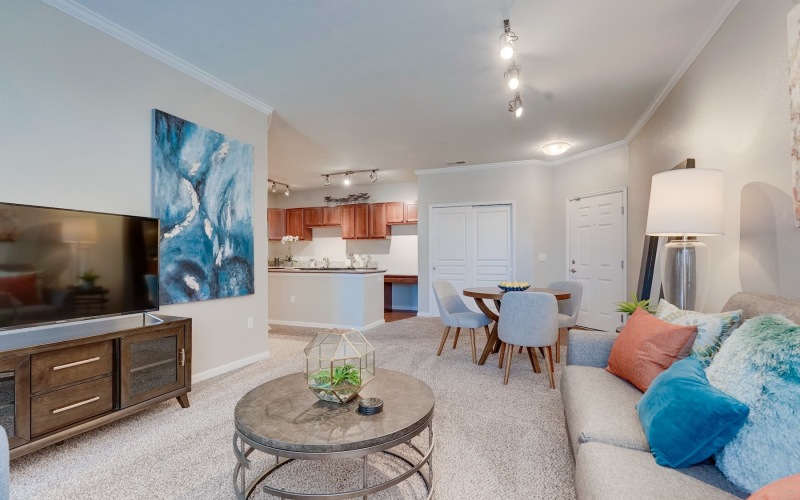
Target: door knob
[{"x": 573, "y": 270}]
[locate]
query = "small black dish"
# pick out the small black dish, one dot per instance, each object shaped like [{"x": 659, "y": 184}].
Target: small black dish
[{"x": 370, "y": 406}]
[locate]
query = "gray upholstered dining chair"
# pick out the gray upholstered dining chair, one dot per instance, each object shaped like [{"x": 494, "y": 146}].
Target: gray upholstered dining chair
[
  {"x": 567, "y": 309},
  {"x": 456, "y": 314},
  {"x": 529, "y": 319}
]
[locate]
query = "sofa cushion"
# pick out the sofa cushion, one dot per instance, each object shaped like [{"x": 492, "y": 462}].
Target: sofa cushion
[
  {"x": 603, "y": 471},
  {"x": 600, "y": 407},
  {"x": 647, "y": 346},
  {"x": 685, "y": 419},
  {"x": 759, "y": 365},
  {"x": 712, "y": 328}
]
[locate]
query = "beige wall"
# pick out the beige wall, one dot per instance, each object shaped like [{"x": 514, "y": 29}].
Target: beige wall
[
  {"x": 730, "y": 111},
  {"x": 75, "y": 131}
]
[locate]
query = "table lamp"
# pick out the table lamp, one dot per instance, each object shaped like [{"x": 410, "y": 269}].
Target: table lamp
[{"x": 686, "y": 203}]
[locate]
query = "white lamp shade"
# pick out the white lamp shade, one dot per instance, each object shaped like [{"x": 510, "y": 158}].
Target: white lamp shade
[
  {"x": 79, "y": 230},
  {"x": 686, "y": 202}
]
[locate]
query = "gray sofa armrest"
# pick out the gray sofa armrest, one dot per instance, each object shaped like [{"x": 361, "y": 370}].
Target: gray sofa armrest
[
  {"x": 587, "y": 348},
  {"x": 4, "y": 459}
]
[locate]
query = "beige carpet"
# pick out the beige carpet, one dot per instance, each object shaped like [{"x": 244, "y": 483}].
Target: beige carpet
[{"x": 493, "y": 441}]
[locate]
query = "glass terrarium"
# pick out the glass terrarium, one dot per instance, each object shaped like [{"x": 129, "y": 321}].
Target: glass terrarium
[{"x": 338, "y": 364}]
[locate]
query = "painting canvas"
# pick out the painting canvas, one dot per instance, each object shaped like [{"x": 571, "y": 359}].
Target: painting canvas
[
  {"x": 794, "y": 98},
  {"x": 202, "y": 192}
]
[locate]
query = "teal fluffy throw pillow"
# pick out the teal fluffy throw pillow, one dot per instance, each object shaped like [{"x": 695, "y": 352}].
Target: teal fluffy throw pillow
[
  {"x": 759, "y": 365},
  {"x": 685, "y": 419}
]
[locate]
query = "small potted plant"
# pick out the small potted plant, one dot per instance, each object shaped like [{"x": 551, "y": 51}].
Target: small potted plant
[
  {"x": 629, "y": 307},
  {"x": 88, "y": 278}
]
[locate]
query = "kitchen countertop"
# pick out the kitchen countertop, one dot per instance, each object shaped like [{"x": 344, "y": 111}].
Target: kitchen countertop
[{"x": 321, "y": 270}]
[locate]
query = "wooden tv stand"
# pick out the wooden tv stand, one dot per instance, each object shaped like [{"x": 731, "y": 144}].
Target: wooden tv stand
[{"x": 64, "y": 380}]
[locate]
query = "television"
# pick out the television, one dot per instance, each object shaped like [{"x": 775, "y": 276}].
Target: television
[{"x": 59, "y": 265}]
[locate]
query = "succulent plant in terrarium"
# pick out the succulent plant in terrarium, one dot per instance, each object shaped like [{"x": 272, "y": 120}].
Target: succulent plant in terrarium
[{"x": 339, "y": 364}]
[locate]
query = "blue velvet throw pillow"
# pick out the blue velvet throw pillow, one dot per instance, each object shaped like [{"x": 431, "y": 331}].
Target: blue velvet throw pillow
[{"x": 685, "y": 419}]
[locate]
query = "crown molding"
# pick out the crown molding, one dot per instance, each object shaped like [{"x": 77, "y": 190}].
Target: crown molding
[
  {"x": 125, "y": 36},
  {"x": 523, "y": 163},
  {"x": 716, "y": 23}
]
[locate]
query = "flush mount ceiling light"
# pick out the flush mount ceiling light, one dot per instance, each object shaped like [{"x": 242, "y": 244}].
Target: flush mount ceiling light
[
  {"x": 512, "y": 76},
  {"x": 515, "y": 106},
  {"x": 556, "y": 148},
  {"x": 275, "y": 184},
  {"x": 373, "y": 175},
  {"x": 507, "y": 40}
]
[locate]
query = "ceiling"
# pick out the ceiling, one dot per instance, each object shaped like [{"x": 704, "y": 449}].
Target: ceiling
[{"x": 414, "y": 84}]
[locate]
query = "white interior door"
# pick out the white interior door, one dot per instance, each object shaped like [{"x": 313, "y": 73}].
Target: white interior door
[
  {"x": 470, "y": 246},
  {"x": 596, "y": 256}
]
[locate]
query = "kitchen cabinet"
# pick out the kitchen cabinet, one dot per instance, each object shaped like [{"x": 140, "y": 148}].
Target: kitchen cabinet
[
  {"x": 378, "y": 226},
  {"x": 361, "y": 221},
  {"x": 295, "y": 225},
  {"x": 276, "y": 222},
  {"x": 312, "y": 216},
  {"x": 332, "y": 216},
  {"x": 348, "y": 219},
  {"x": 398, "y": 212}
]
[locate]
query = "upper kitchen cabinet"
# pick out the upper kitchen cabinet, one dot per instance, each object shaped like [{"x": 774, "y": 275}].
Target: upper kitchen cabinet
[
  {"x": 378, "y": 225},
  {"x": 361, "y": 221},
  {"x": 295, "y": 225},
  {"x": 312, "y": 216},
  {"x": 276, "y": 223},
  {"x": 398, "y": 212},
  {"x": 347, "y": 214},
  {"x": 332, "y": 216}
]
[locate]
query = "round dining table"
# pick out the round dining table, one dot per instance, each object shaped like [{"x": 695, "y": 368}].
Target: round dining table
[{"x": 483, "y": 293}]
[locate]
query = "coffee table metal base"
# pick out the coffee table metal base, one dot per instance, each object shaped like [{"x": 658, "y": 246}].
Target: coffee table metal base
[{"x": 243, "y": 447}]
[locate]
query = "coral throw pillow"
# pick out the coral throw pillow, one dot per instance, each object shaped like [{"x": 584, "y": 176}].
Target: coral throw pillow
[
  {"x": 647, "y": 346},
  {"x": 787, "y": 488},
  {"x": 22, "y": 287}
]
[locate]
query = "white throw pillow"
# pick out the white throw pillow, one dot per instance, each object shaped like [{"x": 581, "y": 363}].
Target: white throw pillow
[{"x": 712, "y": 328}]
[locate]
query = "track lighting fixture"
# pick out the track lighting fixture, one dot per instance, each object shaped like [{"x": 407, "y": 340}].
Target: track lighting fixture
[
  {"x": 275, "y": 184},
  {"x": 515, "y": 106},
  {"x": 373, "y": 176},
  {"x": 507, "y": 40},
  {"x": 512, "y": 76}
]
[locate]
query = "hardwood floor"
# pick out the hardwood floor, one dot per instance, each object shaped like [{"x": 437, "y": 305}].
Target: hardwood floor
[{"x": 390, "y": 316}]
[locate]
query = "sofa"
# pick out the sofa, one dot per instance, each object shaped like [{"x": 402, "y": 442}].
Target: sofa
[{"x": 612, "y": 455}]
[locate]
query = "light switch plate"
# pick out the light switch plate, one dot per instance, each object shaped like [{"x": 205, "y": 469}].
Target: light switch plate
[{"x": 542, "y": 257}]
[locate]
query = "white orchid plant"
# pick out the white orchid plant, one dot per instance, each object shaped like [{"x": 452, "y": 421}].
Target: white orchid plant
[{"x": 288, "y": 239}]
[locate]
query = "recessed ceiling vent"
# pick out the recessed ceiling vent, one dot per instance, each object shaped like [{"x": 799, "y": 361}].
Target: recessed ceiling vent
[{"x": 459, "y": 162}]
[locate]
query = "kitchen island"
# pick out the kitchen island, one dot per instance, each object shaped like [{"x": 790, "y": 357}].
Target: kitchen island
[{"x": 326, "y": 298}]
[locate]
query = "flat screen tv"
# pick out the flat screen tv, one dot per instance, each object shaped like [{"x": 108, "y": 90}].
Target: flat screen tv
[{"x": 59, "y": 265}]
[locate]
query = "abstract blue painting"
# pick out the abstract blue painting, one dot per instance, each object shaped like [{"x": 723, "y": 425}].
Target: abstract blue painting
[{"x": 203, "y": 194}]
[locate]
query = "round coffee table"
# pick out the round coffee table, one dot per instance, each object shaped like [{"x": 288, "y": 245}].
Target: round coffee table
[{"x": 285, "y": 419}]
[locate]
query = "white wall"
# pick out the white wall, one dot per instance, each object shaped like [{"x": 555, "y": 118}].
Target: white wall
[
  {"x": 539, "y": 193},
  {"x": 730, "y": 111},
  {"x": 75, "y": 131}
]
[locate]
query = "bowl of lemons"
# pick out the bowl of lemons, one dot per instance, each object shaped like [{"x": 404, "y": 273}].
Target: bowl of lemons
[{"x": 513, "y": 286}]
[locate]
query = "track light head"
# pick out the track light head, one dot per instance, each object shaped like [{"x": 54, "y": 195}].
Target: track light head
[
  {"x": 274, "y": 188},
  {"x": 507, "y": 40},
  {"x": 327, "y": 180},
  {"x": 346, "y": 179},
  {"x": 515, "y": 106},
  {"x": 512, "y": 76},
  {"x": 373, "y": 176},
  {"x": 288, "y": 191}
]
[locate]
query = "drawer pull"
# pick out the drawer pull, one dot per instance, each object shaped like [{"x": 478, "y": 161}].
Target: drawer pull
[
  {"x": 81, "y": 403},
  {"x": 76, "y": 363}
]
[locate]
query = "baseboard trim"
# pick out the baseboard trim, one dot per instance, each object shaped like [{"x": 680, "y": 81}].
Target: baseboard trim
[
  {"x": 424, "y": 315},
  {"x": 229, "y": 367},
  {"x": 404, "y": 308},
  {"x": 326, "y": 325}
]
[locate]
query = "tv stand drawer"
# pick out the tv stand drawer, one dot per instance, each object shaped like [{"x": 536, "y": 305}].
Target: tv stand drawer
[
  {"x": 61, "y": 408},
  {"x": 53, "y": 369}
]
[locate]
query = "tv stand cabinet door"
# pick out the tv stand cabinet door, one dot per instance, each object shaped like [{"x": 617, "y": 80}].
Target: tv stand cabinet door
[
  {"x": 15, "y": 406},
  {"x": 152, "y": 363}
]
